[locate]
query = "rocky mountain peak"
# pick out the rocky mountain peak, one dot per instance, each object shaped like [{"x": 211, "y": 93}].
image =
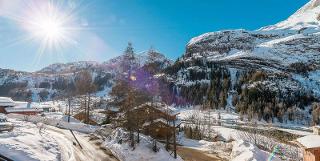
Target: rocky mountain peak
[{"x": 306, "y": 18}]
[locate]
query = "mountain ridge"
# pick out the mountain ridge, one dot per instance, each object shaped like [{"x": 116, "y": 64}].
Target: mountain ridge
[
  {"x": 48, "y": 82},
  {"x": 269, "y": 72}
]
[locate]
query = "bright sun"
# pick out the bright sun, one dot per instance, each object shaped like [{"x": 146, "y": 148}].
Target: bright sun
[
  {"x": 51, "y": 28},
  {"x": 49, "y": 24}
]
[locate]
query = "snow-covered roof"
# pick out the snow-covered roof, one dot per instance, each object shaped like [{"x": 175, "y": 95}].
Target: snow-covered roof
[
  {"x": 310, "y": 141},
  {"x": 176, "y": 123},
  {"x": 160, "y": 106},
  {"x": 14, "y": 109},
  {"x": 21, "y": 104},
  {"x": 6, "y": 101}
]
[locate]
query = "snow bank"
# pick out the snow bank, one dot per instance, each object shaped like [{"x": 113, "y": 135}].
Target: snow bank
[
  {"x": 245, "y": 151},
  {"x": 220, "y": 148},
  {"x": 143, "y": 150},
  {"x": 26, "y": 143},
  {"x": 60, "y": 116},
  {"x": 310, "y": 141},
  {"x": 61, "y": 123}
]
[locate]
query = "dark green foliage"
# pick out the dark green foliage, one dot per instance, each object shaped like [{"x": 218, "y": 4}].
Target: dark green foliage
[
  {"x": 103, "y": 80},
  {"x": 173, "y": 69},
  {"x": 300, "y": 67},
  {"x": 7, "y": 87},
  {"x": 208, "y": 87},
  {"x": 60, "y": 83},
  {"x": 43, "y": 95},
  {"x": 316, "y": 113},
  {"x": 16, "y": 90},
  {"x": 193, "y": 133},
  {"x": 208, "y": 84},
  {"x": 46, "y": 85}
]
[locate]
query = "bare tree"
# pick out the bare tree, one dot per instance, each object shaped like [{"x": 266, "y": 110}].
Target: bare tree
[{"x": 85, "y": 86}]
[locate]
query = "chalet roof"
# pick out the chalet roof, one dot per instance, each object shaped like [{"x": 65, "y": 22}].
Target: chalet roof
[
  {"x": 310, "y": 141},
  {"x": 23, "y": 107},
  {"x": 13, "y": 109},
  {"x": 159, "y": 106},
  {"x": 176, "y": 123},
  {"x": 6, "y": 101}
]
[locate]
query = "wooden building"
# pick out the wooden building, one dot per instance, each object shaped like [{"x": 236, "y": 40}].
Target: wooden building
[
  {"x": 156, "y": 119},
  {"x": 159, "y": 128},
  {"x": 23, "y": 111},
  {"x": 5, "y": 102},
  {"x": 7, "y": 106},
  {"x": 311, "y": 147}
]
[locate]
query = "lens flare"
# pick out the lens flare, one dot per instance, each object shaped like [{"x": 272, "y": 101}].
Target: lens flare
[{"x": 49, "y": 23}]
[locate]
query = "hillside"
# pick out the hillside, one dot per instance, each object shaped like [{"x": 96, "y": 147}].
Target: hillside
[
  {"x": 51, "y": 82},
  {"x": 271, "y": 73}
]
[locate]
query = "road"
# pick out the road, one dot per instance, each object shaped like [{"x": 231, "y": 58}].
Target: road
[
  {"x": 189, "y": 154},
  {"x": 35, "y": 142},
  {"x": 71, "y": 151}
]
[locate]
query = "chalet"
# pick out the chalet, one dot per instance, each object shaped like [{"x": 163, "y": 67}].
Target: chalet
[
  {"x": 45, "y": 107},
  {"x": 160, "y": 128},
  {"x": 157, "y": 119},
  {"x": 110, "y": 112},
  {"x": 5, "y": 102},
  {"x": 311, "y": 147},
  {"x": 24, "y": 111},
  {"x": 23, "y": 108}
]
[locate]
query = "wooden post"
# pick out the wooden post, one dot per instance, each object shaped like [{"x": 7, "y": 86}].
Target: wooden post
[
  {"x": 138, "y": 140},
  {"x": 69, "y": 102},
  {"x": 76, "y": 138},
  {"x": 85, "y": 108},
  {"x": 88, "y": 110},
  {"x": 174, "y": 140}
]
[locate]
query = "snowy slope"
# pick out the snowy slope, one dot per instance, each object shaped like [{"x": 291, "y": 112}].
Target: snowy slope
[
  {"x": 306, "y": 18},
  {"x": 273, "y": 47},
  {"x": 142, "y": 151},
  {"x": 289, "y": 48},
  {"x": 47, "y": 83},
  {"x": 141, "y": 59}
]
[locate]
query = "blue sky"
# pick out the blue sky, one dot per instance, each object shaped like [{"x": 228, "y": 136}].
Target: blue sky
[{"x": 107, "y": 26}]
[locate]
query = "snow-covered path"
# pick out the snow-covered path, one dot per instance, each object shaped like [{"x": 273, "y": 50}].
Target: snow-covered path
[
  {"x": 71, "y": 152},
  {"x": 26, "y": 142}
]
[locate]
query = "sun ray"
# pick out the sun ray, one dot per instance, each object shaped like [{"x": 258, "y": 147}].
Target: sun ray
[{"x": 50, "y": 24}]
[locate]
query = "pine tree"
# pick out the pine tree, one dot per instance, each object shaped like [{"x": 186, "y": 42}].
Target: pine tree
[{"x": 128, "y": 62}]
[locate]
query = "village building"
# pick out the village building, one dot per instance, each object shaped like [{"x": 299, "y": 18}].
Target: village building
[
  {"x": 7, "y": 106},
  {"x": 311, "y": 147},
  {"x": 5, "y": 102},
  {"x": 24, "y": 111},
  {"x": 156, "y": 119},
  {"x": 24, "y": 108}
]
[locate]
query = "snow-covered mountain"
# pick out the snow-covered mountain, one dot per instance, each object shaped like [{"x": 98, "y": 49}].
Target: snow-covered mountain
[
  {"x": 141, "y": 59},
  {"x": 253, "y": 71},
  {"x": 306, "y": 18},
  {"x": 49, "y": 82},
  {"x": 68, "y": 67}
]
